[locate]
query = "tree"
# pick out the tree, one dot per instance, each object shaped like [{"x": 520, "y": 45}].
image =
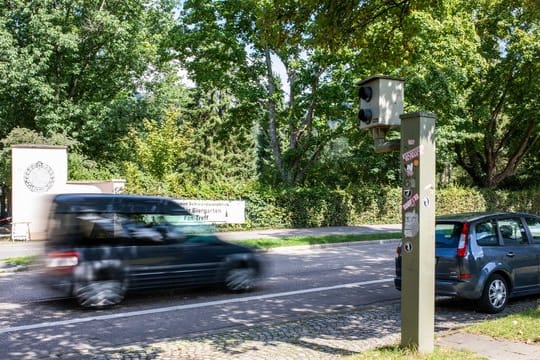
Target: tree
[
  {"x": 504, "y": 116},
  {"x": 223, "y": 146},
  {"x": 475, "y": 64},
  {"x": 237, "y": 45},
  {"x": 160, "y": 147},
  {"x": 79, "y": 67}
]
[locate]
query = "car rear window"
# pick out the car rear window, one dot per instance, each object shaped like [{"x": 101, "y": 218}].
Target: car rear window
[{"x": 447, "y": 235}]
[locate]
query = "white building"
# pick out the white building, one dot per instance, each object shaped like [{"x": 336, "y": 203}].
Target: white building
[{"x": 39, "y": 171}]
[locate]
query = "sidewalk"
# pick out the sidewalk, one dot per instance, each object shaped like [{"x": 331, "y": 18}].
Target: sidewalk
[
  {"x": 495, "y": 349},
  {"x": 331, "y": 230}
]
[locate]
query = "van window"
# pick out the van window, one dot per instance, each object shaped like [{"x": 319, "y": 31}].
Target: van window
[
  {"x": 534, "y": 227},
  {"x": 113, "y": 229},
  {"x": 486, "y": 234},
  {"x": 153, "y": 229},
  {"x": 447, "y": 235}
]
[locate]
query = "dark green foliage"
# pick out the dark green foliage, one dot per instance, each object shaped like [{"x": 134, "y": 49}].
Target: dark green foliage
[
  {"x": 322, "y": 206},
  {"x": 222, "y": 145},
  {"x": 270, "y": 112},
  {"x": 79, "y": 67}
]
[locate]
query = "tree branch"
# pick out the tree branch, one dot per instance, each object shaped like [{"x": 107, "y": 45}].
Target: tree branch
[
  {"x": 308, "y": 119},
  {"x": 527, "y": 142},
  {"x": 314, "y": 157}
]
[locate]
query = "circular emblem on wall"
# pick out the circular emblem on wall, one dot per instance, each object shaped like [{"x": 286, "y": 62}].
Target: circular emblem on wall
[{"x": 39, "y": 177}]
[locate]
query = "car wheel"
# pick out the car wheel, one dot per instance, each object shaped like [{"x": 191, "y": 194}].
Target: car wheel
[
  {"x": 240, "y": 279},
  {"x": 495, "y": 295},
  {"x": 100, "y": 293}
]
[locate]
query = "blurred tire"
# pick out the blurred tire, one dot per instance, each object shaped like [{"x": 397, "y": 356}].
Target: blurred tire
[
  {"x": 240, "y": 279},
  {"x": 97, "y": 294}
]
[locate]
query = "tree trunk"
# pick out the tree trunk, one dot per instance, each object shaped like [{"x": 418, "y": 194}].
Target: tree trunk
[{"x": 272, "y": 117}]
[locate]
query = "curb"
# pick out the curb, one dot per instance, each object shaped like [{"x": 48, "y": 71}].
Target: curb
[
  {"x": 7, "y": 268},
  {"x": 322, "y": 246}
]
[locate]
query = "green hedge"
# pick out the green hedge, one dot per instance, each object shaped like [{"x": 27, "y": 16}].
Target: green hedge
[
  {"x": 320, "y": 206},
  {"x": 314, "y": 207},
  {"x": 456, "y": 200}
]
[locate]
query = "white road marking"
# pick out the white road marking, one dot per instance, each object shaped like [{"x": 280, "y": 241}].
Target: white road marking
[{"x": 184, "y": 307}]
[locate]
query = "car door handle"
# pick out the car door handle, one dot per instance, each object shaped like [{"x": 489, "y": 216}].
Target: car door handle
[{"x": 510, "y": 254}]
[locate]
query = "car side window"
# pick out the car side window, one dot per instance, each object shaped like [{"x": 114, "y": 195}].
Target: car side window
[
  {"x": 96, "y": 229},
  {"x": 147, "y": 229},
  {"x": 534, "y": 227},
  {"x": 486, "y": 234},
  {"x": 512, "y": 232}
]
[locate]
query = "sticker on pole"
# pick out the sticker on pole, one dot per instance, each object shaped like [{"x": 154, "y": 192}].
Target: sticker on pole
[
  {"x": 409, "y": 170},
  {"x": 413, "y": 154},
  {"x": 411, "y": 224},
  {"x": 411, "y": 202},
  {"x": 407, "y": 193},
  {"x": 407, "y": 247}
]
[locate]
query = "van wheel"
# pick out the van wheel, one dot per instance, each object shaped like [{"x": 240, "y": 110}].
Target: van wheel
[
  {"x": 100, "y": 293},
  {"x": 240, "y": 279},
  {"x": 495, "y": 295}
]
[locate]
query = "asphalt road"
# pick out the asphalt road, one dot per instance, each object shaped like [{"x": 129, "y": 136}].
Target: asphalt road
[{"x": 298, "y": 283}]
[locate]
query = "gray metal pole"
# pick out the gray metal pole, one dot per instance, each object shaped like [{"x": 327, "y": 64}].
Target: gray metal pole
[{"x": 418, "y": 248}]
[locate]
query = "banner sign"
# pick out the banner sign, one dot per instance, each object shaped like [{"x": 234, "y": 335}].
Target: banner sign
[{"x": 217, "y": 211}]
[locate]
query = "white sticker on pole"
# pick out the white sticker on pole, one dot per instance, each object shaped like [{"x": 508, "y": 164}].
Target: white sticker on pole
[{"x": 411, "y": 225}]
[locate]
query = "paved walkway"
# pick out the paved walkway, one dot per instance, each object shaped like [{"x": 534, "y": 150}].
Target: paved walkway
[
  {"x": 331, "y": 230},
  {"x": 495, "y": 349},
  {"x": 329, "y": 336}
]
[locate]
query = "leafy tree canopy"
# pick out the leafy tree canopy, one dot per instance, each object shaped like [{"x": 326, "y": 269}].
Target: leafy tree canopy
[{"x": 75, "y": 67}]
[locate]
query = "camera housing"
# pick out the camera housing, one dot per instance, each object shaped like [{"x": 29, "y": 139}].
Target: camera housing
[{"x": 381, "y": 102}]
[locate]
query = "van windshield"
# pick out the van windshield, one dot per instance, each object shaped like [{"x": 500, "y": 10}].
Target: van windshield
[{"x": 447, "y": 235}]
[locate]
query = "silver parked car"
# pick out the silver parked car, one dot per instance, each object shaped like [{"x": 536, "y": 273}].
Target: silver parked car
[{"x": 486, "y": 257}]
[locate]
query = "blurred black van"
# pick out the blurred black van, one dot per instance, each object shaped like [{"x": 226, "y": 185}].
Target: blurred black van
[{"x": 99, "y": 246}]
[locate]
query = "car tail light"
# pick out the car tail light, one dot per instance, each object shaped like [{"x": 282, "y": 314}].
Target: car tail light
[
  {"x": 65, "y": 260},
  {"x": 463, "y": 240},
  {"x": 398, "y": 249}
]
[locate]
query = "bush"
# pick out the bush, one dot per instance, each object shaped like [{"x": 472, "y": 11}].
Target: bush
[
  {"x": 317, "y": 206},
  {"x": 454, "y": 200}
]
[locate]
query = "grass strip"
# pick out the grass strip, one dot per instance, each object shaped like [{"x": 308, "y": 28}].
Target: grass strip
[
  {"x": 316, "y": 240},
  {"x": 397, "y": 352},
  {"x": 20, "y": 261},
  {"x": 522, "y": 327}
]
